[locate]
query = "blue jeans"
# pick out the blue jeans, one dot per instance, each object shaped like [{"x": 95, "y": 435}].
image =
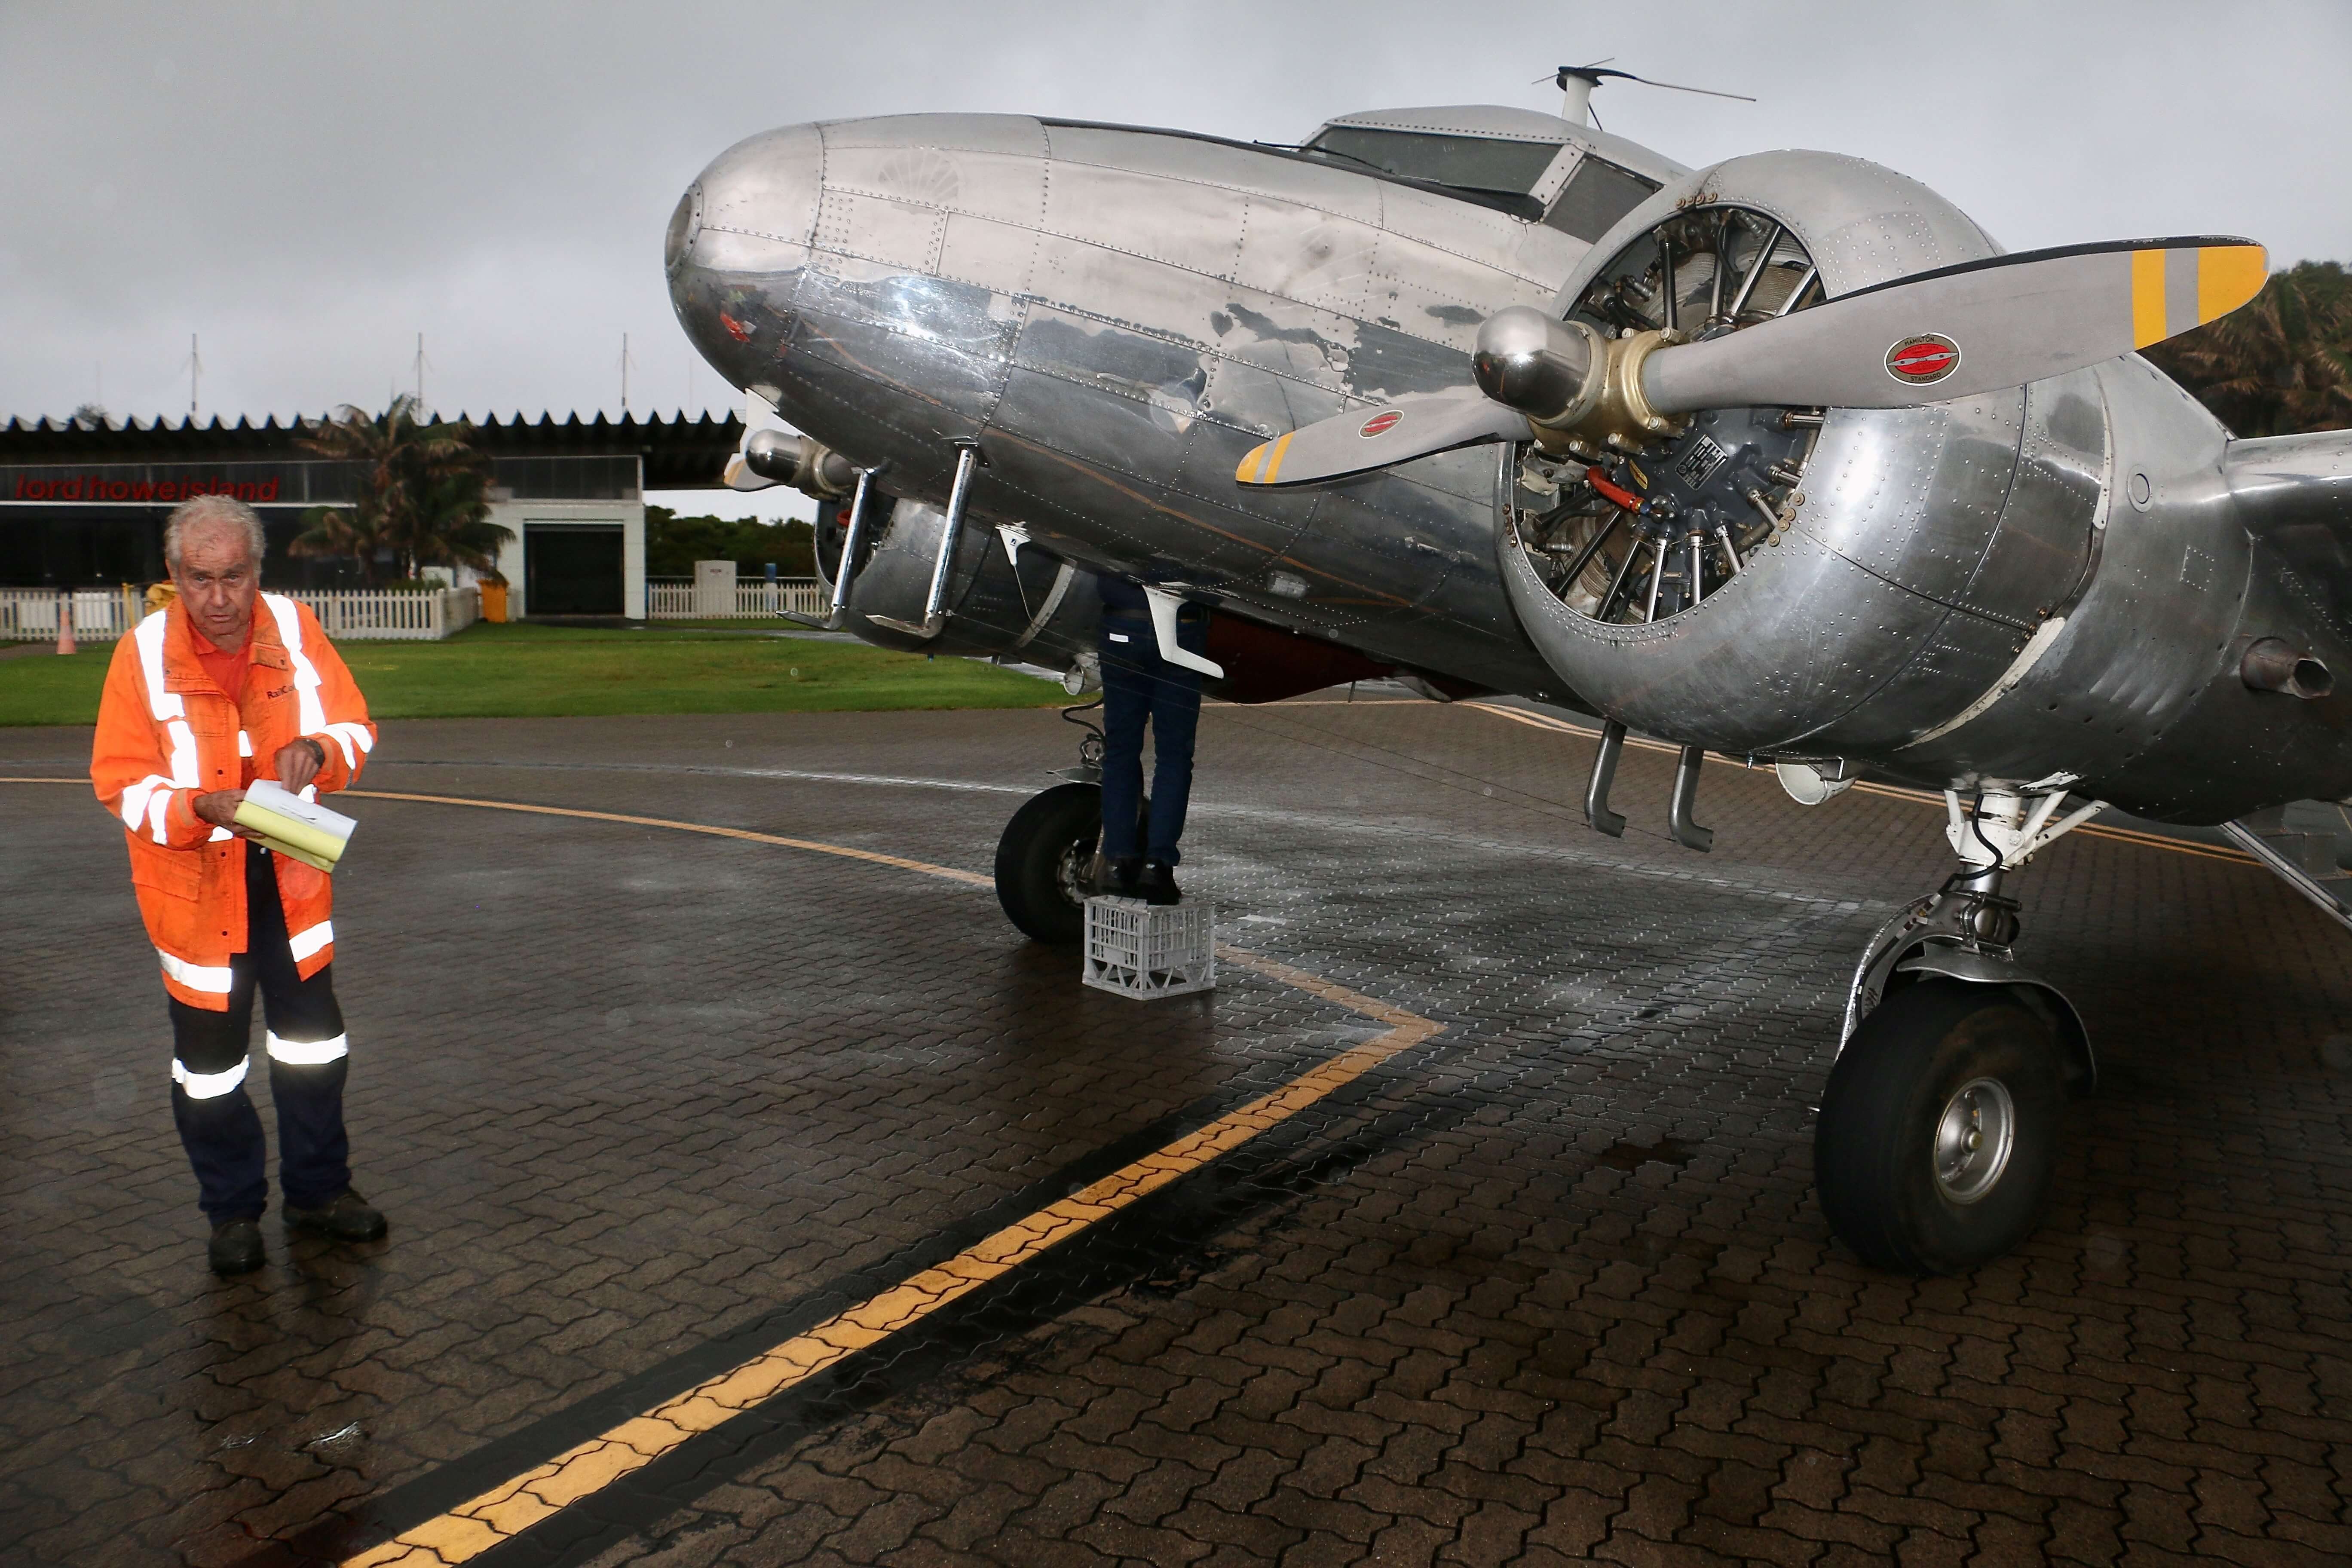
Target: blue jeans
[{"x": 1140, "y": 685}]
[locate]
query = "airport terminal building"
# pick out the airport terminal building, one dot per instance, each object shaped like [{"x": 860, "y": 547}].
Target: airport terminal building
[{"x": 82, "y": 504}]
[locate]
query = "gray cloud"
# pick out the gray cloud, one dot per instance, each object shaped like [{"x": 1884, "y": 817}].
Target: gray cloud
[{"x": 309, "y": 186}]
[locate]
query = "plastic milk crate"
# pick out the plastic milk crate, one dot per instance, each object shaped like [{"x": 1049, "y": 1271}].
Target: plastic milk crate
[{"x": 1145, "y": 951}]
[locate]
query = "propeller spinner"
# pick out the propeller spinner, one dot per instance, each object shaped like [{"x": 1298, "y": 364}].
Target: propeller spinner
[{"x": 1928, "y": 337}]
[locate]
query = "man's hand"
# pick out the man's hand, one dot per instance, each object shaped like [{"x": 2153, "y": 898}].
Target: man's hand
[
  {"x": 219, "y": 808},
  {"x": 298, "y": 763}
]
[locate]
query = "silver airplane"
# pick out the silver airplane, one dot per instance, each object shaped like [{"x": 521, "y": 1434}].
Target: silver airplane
[{"x": 1782, "y": 459}]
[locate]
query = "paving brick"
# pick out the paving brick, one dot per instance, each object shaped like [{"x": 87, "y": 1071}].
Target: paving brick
[{"x": 622, "y": 1090}]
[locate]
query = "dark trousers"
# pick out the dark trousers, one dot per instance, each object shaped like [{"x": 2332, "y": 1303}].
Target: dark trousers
[
  {"x": 218, "y": 1125},
  {"x": 1140, "y": 685}
]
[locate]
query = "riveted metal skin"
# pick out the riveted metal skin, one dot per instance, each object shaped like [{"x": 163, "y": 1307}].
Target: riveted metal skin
[
  {"x": 1120, "y": 315},
  {"x": 996, "y": 606},
  {"x": 1969, "y": 589},
  {"x": 1965, "y": 592}
]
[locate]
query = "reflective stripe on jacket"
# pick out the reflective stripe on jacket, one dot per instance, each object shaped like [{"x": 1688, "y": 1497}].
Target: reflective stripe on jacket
[{"x": 166, "y": 734}]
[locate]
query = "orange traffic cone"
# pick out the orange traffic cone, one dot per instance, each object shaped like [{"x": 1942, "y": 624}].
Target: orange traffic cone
[{"x": 65, "y": 623}]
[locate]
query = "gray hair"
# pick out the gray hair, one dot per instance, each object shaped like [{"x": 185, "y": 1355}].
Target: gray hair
[{"x": 226, "y": 510}]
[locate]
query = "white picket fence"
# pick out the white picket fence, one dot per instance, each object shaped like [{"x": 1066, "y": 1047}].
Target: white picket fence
[
  {"x": 99, "y": 615},
  {"x": 673, "y": 599},
  {"x": 103, "y": 614},
  {"x": 426, "y": 616}
]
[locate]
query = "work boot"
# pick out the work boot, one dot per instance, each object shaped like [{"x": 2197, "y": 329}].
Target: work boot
[
  {"x": 345, "y": 1217},
  {"x": 236, "y": 1247},
  {"x": 1158, "y": 884},
  {"x": 1117, "y": 879}
]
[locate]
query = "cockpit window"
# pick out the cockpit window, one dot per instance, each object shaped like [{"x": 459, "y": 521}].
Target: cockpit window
[
  {"x": 1465, "y": 163},
  {"x": 1597, "y": 195}
]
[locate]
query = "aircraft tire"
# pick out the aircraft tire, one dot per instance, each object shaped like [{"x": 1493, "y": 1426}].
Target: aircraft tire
[
  {"x": 1048, "y": 845},
  {"x": 1899, "y": 1180}
]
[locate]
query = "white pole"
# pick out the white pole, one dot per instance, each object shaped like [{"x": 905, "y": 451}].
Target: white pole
[{"x": 1576, "y": 98}]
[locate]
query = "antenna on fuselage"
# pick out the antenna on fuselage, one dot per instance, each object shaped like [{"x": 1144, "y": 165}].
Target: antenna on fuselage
[{"x": 1576, "y": 84}]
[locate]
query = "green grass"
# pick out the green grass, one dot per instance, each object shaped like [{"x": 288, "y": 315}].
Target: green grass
[{"x": 532, "y": 671}]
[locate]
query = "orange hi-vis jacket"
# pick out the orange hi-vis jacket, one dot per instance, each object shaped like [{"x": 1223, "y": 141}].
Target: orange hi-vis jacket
[{"x": 166, "y": 734}]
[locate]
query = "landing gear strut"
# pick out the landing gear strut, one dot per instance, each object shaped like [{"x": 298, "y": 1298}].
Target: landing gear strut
[{"x": 1938, "y": 1131}]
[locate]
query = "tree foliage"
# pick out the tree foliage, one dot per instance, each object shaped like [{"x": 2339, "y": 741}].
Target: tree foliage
[
  {"x": 674, "y": 544},
  {"x": 422, "y": 496},
  {"x": 2279, "y": 364}
]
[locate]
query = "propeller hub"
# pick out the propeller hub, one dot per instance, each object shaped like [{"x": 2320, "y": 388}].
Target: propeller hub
[
  {"x": 1579, "y": 389},
  {"x": 1542, "y": 367}
]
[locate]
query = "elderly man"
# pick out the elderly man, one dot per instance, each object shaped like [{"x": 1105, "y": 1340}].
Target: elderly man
[{"x": 226, "y": 686}]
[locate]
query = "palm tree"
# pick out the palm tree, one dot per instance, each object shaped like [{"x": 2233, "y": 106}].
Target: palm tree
[
  {"x": 2280, "y": 365},
  {"x": 423, "y": 494}
]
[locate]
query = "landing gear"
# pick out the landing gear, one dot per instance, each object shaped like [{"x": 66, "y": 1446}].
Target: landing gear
[
  {"x": 1042, "y": 861},
  {"x": 1938, "y": 1129}
]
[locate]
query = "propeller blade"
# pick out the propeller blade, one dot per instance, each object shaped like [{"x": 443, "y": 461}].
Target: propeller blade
[
  {"x": 1371, "y": 438},
  {"x": 1964, "y": 329}
]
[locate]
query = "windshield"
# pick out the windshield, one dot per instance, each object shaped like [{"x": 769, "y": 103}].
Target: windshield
[
  {"x": 1465, "y": 163},
  {"x": 1597, "y": 195}
]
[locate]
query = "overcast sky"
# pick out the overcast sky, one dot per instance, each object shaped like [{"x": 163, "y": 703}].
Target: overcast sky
[{"x": 308, "y": 185}]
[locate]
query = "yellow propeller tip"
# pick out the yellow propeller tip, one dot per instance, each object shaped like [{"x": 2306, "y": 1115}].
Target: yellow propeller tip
[{"x": 2174, "y": 291}]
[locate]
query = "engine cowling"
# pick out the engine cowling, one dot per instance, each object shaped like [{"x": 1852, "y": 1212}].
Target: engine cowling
[
  {"x": 1023, "y": 604},
  {"x": 1043, "y": 610},
  {"x": 1937, "y": 588}
]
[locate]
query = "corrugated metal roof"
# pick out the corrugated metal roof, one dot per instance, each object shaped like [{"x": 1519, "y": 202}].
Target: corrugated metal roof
[{"x": 680, "y": 453}]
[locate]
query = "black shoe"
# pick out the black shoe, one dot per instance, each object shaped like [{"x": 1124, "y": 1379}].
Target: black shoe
[
  {"x": 1158, "y": 885},
  {"x": 1117, "y": 879},
  {"x": 347, "y": 1217},
  {"x": 236, "y": 1247}
]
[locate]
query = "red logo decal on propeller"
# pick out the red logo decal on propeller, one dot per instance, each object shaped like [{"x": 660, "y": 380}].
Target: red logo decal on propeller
[
  {"x": 1380, "y": 424},
  {"x": 1929, "y": 357}
]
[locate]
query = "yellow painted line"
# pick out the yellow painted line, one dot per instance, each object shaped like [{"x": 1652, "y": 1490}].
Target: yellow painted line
[
  {"x": 844, "y": 851},
  {"x": 1892, "y": 791},
  {"x": 2227, "y": 277},
  {"x": 514, "y": 1506},
  {"x": 1247, "y": 472},
  {"x": 2147, "y": 297},
  {"x": 84, "y": 783},
  {"x": 507, "y": 1510}
]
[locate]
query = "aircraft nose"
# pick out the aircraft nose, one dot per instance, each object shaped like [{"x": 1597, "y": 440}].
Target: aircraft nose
[{"x": 741, "y": 235}]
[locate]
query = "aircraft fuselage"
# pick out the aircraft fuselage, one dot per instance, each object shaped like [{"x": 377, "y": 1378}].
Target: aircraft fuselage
[{"x": 1118, "y": 315}]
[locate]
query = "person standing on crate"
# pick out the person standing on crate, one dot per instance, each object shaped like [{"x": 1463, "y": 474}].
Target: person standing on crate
[
  {"x": 223, "y": 686},
  {"x": 1139, "y": 859}
]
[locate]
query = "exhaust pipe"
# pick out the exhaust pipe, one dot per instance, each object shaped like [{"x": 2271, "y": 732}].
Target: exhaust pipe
[
  {"x": 796, "y": 460},
  {"x": 2272, "y": 664}
]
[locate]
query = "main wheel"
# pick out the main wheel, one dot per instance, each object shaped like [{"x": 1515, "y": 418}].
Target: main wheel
[
  {"x": 1939, "y": 1128},
  {"x": 1042, "y": 859}
]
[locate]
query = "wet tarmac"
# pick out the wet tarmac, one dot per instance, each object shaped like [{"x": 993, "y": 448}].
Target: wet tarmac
[{"x": 716, "y": 1139}]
